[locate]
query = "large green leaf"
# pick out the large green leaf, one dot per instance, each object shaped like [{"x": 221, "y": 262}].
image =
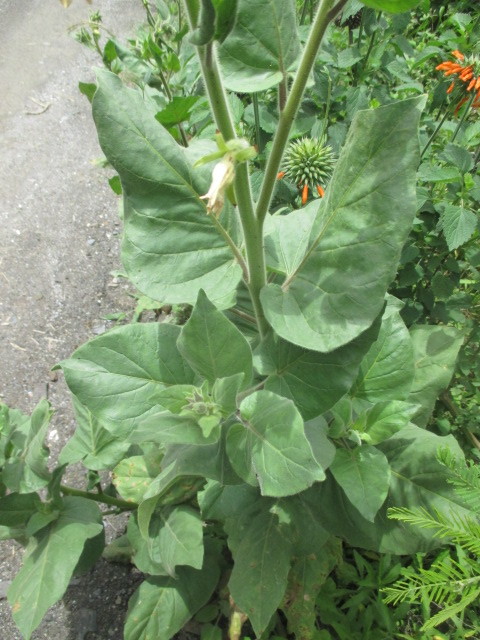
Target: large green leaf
[
  {"x": 261, "y": 549},
  {"x": 435, "y": 351},
  {"x": 417, "y": 480},
  {"x": 338, "y": 289},
  {"x": 212, "y": 345},
  {"x": 381, "y": 421},
  {"x": 364, "y": 475},
  {"x": 26, "y": 468},
  {"x": 116, "y": 375},
  {"x": 269, "y": 446},
  {"x": 262, "y": 46},
  {"x": 91, "y": 443},
  {"x": 386, "y": 372},
  {"x": 175, "y": 537},
  {"x": 161, "y": 606},
  {"x": 170, "y": 247},
  {"x": 393, "y": 6},
  {"x": 50, "y": 561},
  {"x": 313, "y": 380},
  {"x": 132, "y": 476},
  {"x": 17, "y": 508}
]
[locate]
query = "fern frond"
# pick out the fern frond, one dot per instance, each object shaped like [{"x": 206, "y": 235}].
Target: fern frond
[
  {"x": 443, "y": 583},
  {"x": 459, "y": 530},
  {"x": 464, "y": 477},
  {"x": 452, "y": 610}
]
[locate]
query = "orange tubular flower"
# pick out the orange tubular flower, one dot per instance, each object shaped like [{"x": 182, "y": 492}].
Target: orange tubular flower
[
  {"x": 468, "y": 73},
  {"x": 305, "y": 193}
]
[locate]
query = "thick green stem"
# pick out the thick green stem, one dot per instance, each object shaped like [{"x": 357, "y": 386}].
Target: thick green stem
[
  {"x": 252, "y": 231},
  {"x": 324, "y": 15},
  {"x": 99, "y": 497}
]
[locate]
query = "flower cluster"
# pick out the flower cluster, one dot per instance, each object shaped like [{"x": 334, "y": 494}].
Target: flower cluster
[
  {"x": 466, "y": 69},
  {"x": 309, "y": 163}
]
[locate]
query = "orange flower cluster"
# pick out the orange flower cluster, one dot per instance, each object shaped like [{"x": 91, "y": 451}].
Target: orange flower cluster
[{"x": 467, "y": 70}]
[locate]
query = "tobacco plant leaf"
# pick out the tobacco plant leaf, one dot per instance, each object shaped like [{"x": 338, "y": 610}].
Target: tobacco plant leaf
[
  {"x": 338, "y": 289},
  {"x": 132, "y": 476},
  {"x": 170, "y": 247},
  {"x": 175, "y": 537},
  {"x": 386, "y": 372},
  {"x": 138, "y": 550},
  {"x": 261, "y": 547},
  {"x": 50, "y": 560},
  {"x": 384, "y": 419},
  {"x": 11, "y": 421},
  {"x": 364, "y": 475},
  {"x": 269, "y": 447},
  {"x": 162, "y": 606},
  {"x": 26, "y": 468},
  {"x": 116, "y": 375},
  {"x": 92, "y": 444},
  {"x": 314, "y": 381},
  {"x": 262, "y": 46},
  {"x": 16, "y": 509},
  {"x": 417, "y": 480},
  {"x": 392, "y": 6},
  {"x": 435, "y": 352},
  {"x": 212, "y": 345}
]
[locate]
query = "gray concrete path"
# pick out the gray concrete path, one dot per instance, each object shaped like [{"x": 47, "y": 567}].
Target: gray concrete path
[{"x": 58, "y": 244}]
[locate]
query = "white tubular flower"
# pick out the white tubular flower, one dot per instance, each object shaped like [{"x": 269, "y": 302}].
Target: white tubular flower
[{"x": 222, "y": 177}]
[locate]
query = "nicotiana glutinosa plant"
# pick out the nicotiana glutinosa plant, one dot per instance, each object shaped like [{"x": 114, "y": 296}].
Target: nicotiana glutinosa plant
[{"x": 289, "y": 412}]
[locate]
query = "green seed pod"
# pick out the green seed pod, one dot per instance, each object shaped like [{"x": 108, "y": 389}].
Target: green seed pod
[{"x": 309, "y": 161}]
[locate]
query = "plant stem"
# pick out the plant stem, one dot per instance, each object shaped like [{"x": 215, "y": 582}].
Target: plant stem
[
  {"x": 99, "y": 497},
  {"x": 324, "y": 15},
  {"x": 434, "y": 134},
  {"x": 282, "y": 94},
  {"x": 224, "y": 233},
  {"x": 256, "y": 113},
  {"x": 252, "y": 230},
  {"x": 464, "y": 115}
]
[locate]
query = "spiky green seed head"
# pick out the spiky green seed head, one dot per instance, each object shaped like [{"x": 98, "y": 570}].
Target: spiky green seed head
[{"x": 309, "y": 161}]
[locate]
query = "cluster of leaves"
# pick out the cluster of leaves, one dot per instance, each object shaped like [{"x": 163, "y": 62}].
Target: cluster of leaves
[{"x": 295, "y": 397}]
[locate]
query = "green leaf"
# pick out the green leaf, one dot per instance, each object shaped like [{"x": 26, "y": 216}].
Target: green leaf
[
  {"x": 212, "y": 345},
  {"x": 338, "y": 289},
  {"x": 91, "y": 444},
  {"x": 261, "y": 549},
  {"x": 435, "y": 352},
  {"x": 225, "y": 391},
  {"x": 88, "y": 89},
  {"x": 26, "y": 469},
  {"x": 428, "y": 173},
  {"x": 417, "y": 479},
  {"x": 364, "y": 475},
  {"x": 16, "y": 509},
  {"x": 175, "y": 537},
  {"x": 176, "y": 111},
  {"x": 50, "y": 561},
  {"x": 225, "y": 16},
  {"x": 383, "y": 420},
  {"x": 138, "y": 550},
  {"x": 458, "y": 224},
  {"x": 262, "y": 46},
  {"x": 132, "y": 476},
  {"x": 386, "y": 372},
  {"x": 392, "y": 6},
  {"x": 162, "y": 606},
  {"x": 458, "y": 156},
  {"x": 13, "y": 424},
  {"x": 270, "y": 447},
  {"x": 170, "y": 247},
  {"x": 313, "y": 380},
  {"x": 116, "y": 375}
]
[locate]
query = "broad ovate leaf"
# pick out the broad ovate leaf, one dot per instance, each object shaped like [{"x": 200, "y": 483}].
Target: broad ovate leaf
[
  {"x": 435, "y": 352},
  {"x": 117, "y": 374},
  {"x": 364, "y": 475},
  {"x": 212, "y": 345},
  {"x": 338, "y": 289},
  {"x": 262, "y": 46},
  {"x": 50, "y": 561},
  {"x": 386, "y": 371},
  {"x": 392, "y": 6},
  {"x": 170, "y": 247},
  {"x": 269, "y": 446}
]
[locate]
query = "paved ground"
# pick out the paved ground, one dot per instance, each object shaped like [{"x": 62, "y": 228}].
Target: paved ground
[{"x": 58, "y": 244}]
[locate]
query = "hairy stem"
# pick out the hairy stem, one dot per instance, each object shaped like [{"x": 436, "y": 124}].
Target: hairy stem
[
  {"x": 99, "y": 497},
  {"x": 324, "y": 15}
]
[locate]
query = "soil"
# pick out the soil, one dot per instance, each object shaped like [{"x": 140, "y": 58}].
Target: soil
[{"x": 58, "y": 247}]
